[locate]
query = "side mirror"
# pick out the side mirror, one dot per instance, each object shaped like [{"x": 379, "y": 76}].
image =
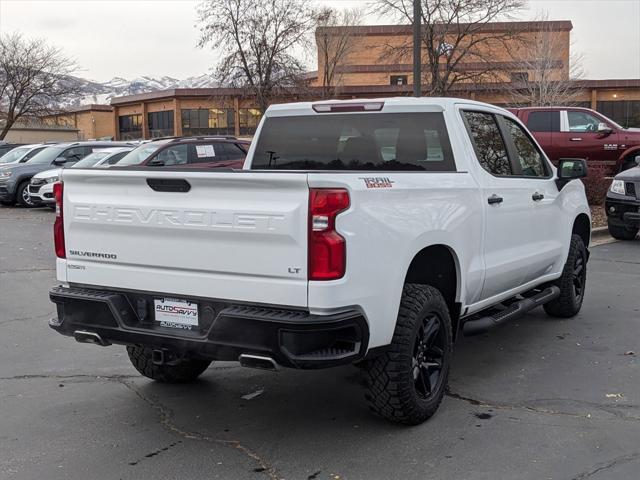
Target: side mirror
[
  {"x": 60, "y": 161},
  {"x": 156, "y": 162},
  {"x": 570, "y": 169},
  {"x": 604, "y": 128}
]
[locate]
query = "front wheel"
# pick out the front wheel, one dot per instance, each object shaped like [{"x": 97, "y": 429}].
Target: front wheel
[
  {"x": 572, "y": 282},
  {"x": 179, "y": 370},
  {"x": 22, "y": 195},
  {"x": 407, "y": 383},
  {"x": 622, "y": 233}
]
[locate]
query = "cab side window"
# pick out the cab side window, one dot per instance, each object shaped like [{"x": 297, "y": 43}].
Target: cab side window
[
  {"x": 74, "y": 154},
  {"x": 582, "y": 122},
  {"x": 174, "y": 155},
  {"x": 488, "y": 143},
  {"x": 528, "y": 157}
]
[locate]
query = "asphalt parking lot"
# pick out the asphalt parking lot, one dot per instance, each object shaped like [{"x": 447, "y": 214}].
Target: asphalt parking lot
[{"x": 537, "y": 399}]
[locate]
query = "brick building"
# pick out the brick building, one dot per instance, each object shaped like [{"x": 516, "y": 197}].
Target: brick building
[{"x": 366, "y": 72}]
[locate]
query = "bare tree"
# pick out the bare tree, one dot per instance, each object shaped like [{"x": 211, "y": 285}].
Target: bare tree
[
  {"x": 335, "y": 39},
  {"x": 549, "y": 80},
  {"x": 34, "y": 79},
  {"x": 456, "y": 42},
  {"x": 257, "y": 40}
]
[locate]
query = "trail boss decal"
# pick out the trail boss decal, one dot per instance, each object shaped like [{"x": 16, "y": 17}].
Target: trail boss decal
[{"x": 377, "y": 182}]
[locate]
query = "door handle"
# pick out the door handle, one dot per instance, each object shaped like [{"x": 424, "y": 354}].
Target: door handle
[
  {"x": 536, "y": 197},
  {"x": 494, "y": 199},
  {"x": 169, "y": 185},
  {"x": 576, "y": 139}
]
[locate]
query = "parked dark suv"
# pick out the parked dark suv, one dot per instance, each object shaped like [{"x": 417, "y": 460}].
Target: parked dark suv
[
  {"x": 189, "y": 152},
  {"x": 14, "y": 178},
  {"x": 623, "y": 204}
]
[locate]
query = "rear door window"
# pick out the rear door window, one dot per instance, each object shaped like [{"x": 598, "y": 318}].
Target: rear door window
[
  {"x": 207, "y": 152},
  {"x": 361, "y": 141},
  {"x": 544, "y": 121},
  {"x": 488, "y": 143}
]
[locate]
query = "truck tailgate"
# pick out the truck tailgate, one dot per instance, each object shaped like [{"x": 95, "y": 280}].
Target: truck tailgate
[{"x": 233, "y": 235}]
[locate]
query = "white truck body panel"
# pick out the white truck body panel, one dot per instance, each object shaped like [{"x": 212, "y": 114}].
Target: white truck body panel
[
  {"x": 243, "y": 236},
  {"x": 231, "y": 237}
]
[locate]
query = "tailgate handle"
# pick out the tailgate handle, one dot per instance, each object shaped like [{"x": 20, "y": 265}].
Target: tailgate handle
[{"x": 169, "y": 184}]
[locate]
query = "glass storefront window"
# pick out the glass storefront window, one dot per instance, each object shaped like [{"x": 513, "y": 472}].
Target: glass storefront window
[
  {"x": 249, "y": 119},
  {"x": 130, "y": 126},
  {"x": 160, "y": 124},
  {"x": 208, "y": 121}
]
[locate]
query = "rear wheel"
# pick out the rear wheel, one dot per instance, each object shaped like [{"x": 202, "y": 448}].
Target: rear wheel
[
  {"x": 622, "y": 233},
  {"x": 407, "y": 383},
  {"x": 179, "y": 370},
  {"x": 572, "y": 282},
  {"x": 22, "y": 195}
]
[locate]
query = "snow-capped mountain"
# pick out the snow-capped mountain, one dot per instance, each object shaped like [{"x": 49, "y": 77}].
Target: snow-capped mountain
[{"x": 91, "y": 91}]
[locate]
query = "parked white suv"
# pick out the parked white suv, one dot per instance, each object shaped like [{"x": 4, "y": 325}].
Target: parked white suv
[
  {"x": 41, "y": 184},
  {"x": 359, "y": 231}
]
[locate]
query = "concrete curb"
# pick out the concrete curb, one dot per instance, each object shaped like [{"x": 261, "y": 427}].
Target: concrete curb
[
  {"x": 600, "y": 236},
  {"x": 599, "y": 232}
]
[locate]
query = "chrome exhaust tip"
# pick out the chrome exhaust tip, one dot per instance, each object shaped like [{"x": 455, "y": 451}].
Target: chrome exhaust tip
[
  {"x": 257, "y": 361},
  {"x": 83, "y": 336}
]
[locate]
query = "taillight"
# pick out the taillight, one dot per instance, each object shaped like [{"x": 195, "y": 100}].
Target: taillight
[
  {"x": 327, "y": 248},
  {"x": 58, "y": 226}
]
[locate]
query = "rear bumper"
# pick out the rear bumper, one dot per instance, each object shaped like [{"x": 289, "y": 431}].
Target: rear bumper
[{"x": 293, "y": 338}]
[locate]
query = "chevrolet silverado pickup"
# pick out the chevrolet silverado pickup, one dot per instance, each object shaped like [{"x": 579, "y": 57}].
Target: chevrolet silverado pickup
[
  {"x": 582, "y": 133},
  {"x": 357, "y": 232}
]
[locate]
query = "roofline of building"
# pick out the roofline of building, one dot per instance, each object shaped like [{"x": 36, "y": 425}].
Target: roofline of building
[
  {"x": 490, "y": 27},
  {"x": 86, "y": 108},
  {"x": 351, "y": 89}
]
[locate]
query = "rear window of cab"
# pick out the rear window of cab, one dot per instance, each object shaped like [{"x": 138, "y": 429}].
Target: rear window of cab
[{"x": 355, "y": 141}]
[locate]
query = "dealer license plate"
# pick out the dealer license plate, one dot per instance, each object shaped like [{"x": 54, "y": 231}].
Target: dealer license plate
[{"x": 175, "y": 313}]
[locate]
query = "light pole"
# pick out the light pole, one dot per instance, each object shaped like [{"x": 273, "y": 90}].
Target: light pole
[{"x": 417, "y": 56}]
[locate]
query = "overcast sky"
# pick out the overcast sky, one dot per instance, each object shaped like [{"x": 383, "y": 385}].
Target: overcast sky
[{"x": 131, "y": 38}]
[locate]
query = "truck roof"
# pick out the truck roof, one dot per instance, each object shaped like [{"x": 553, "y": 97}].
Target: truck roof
[{"x": 395, "y": 104}]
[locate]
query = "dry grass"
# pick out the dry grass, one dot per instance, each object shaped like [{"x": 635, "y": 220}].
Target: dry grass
[{"x": 598, "y": 217}]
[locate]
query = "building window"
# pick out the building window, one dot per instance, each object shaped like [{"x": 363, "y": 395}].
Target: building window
[
  {"x": 249, "y": 119},
  {"x": 208, "y": 121},
  {"x": 160, "y": 124},
  {"x": 623, "y": 112},
  {"x": 519, "y": 77},
  {"x": 398, "y": 80},
  {"x": 130, "y": 127}
]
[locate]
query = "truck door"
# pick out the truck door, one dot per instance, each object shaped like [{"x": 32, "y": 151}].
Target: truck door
[
  {"x": 507, "y": 204},
  {"x": 545, "y": 215},
  {"x": 545, "y": 127},
  {"x": 579, "y": 134}
]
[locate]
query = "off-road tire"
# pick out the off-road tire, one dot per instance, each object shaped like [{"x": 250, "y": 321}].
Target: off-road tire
[
  {"x": 569, "y": 302},
  {"x": 622, "y": 233},
  {"x": 392, "y": 388},
  {"x": 178, "y": 371},
  {"x": 19, "y": 193}
]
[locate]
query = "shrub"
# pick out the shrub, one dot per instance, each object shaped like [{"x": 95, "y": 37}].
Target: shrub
[{"x": 596, "y": 187}]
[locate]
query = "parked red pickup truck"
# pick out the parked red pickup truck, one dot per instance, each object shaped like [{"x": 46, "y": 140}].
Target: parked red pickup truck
[{"x": 573, "y": 132}]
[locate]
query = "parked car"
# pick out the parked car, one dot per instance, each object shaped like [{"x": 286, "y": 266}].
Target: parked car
[
  {"x": 21, "y": 154},
  {"x": 41, "y": 184},
  {"x": 623, "y": 204},
  {"x": 14, "y": 179},
  {"x": 190, "y": 152},
  {"x": 6, "y": 147},
  {"x": 364, "y": 231},
  {"x": 581, "y": 133}
]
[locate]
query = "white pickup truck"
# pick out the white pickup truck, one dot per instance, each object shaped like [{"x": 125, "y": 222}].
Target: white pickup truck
[{"x": 365, "y": 232}]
